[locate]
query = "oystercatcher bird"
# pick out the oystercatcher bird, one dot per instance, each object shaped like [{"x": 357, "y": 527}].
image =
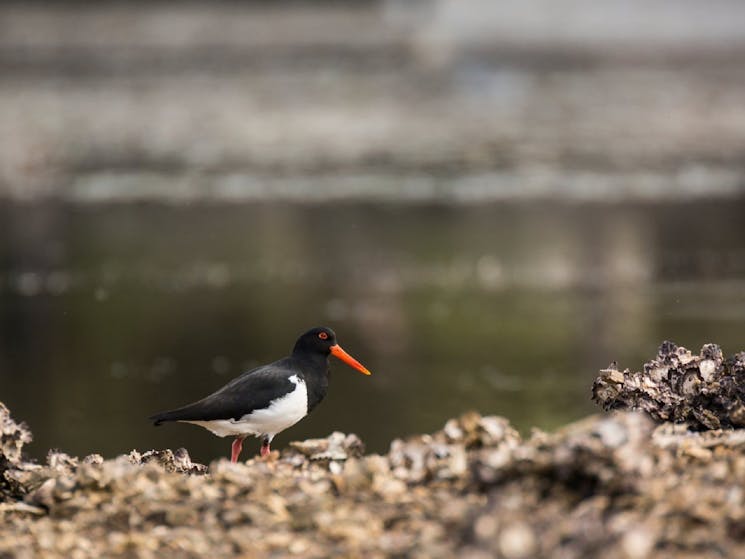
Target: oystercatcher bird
[{"x": 269, "y": 399}]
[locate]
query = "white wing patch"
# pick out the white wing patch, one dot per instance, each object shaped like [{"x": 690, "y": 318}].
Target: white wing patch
[{"x": 278, "y": 416}]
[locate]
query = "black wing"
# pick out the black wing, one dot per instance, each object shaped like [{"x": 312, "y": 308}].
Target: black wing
[{"x": 252, "y": 390}]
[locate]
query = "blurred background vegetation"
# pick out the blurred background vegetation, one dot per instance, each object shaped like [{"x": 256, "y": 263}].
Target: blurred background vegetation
[{"x": 488, "y": 201}]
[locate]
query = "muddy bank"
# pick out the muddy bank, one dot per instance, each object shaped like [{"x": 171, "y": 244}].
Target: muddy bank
[{"x": 620, "y": 485}]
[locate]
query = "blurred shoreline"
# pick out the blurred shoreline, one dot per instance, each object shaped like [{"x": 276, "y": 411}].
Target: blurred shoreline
[{"x": 429, "y": 101}]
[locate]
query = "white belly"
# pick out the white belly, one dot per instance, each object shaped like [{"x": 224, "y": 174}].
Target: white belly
[{"x": 281, "y": 414}]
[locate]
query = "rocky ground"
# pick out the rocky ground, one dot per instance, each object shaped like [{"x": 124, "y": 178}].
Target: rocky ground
[{"x": 615, "y": 486}]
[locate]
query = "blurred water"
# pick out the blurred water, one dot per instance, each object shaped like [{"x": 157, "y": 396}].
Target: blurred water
[{"x": 109, "y": 313}]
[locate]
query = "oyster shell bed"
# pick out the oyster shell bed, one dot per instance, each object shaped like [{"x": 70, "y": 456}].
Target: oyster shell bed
[
  {"x": 612, "y": 486},
  {"x": 706, "y": 391}
]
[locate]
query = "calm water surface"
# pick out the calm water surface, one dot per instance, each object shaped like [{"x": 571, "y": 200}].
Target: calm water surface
[{"x": 110, "y": 313}]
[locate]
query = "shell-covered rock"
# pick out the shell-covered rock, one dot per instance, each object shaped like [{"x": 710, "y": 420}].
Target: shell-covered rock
[
  {"x": 705, "y": 391},
  {"x": 336, "y": 446},
  {"x": 613, "y": 486},
  {"x": 178, "y": 461},
  {"x": 13, "y": 436}
]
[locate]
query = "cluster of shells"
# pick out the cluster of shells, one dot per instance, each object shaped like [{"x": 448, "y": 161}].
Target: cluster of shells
[
  {"x": 615, "y": 486},
  {"x": 705, "y": 391}
]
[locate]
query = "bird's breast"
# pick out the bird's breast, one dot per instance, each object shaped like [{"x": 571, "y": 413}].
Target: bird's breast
[
  {"x": 279, "y": 414},
  {"x": 283, "y": 411}
]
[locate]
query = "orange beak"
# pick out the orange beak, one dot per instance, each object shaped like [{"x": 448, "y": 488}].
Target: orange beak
[{"x": 339, "y": 353}]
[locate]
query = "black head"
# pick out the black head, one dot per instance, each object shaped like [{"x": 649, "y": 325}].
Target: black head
[
  {"x": 316, "y": 340},
  {"x": 322, "y": 341}
]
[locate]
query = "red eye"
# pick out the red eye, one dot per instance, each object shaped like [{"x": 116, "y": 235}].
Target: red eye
[{"x": 323, "y": 336}]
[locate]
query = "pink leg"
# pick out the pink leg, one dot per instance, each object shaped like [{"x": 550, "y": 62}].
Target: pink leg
[
  {"x": 265, "y": 450},
  {"x": 236, "y": 448}
]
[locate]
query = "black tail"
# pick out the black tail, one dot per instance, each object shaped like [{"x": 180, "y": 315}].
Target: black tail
[
  {"x": 205, "y": 409},
  {"x": 163, "y": 417},
  {"x": 190, "y": 411}
]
